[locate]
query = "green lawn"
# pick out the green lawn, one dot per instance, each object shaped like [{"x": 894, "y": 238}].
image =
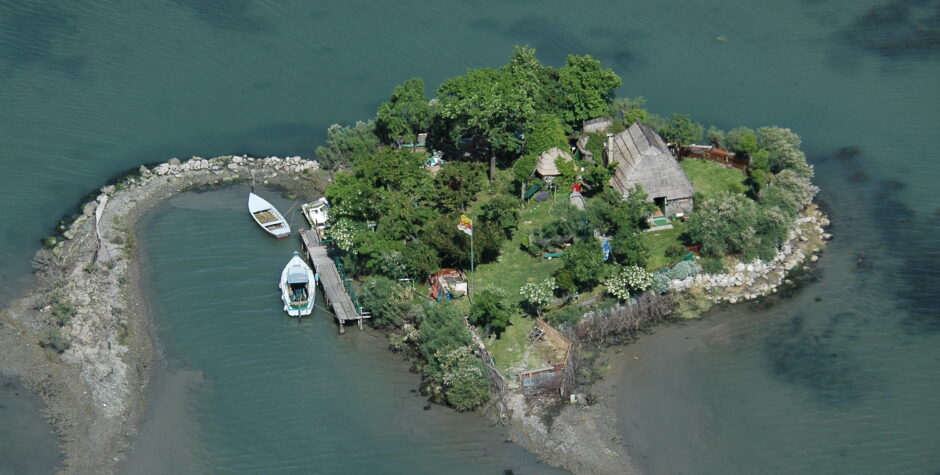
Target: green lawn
[
  {"x": 510, "y": 272},
  {"x": 659, "y": 241},
  {"x": 710, "y": 178},
  {"x": 515, "y": 267}
]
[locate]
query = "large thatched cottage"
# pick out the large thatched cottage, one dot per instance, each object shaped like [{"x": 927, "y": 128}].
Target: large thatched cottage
[{"x": 643, "y": 158}]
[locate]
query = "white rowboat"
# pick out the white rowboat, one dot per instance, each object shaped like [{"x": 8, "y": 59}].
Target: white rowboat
[
  {"x": 267, "y": 216},
  {"x": 298, "y": 287}
]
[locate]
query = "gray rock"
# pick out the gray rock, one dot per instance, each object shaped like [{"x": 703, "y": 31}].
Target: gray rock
[
  {"x": 144, "y": 171},
  {"x": 173, "y": 161}
]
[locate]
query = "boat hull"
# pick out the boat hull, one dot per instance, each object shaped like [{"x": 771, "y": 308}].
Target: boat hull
[
  {"x": 267, "y": 216},
  {"x": 298, "y": 287}
]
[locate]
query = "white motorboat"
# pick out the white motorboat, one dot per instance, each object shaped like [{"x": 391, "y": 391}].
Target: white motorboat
[
  {"x": 317, "y": 213},
  {"x": 298, "y": 287},
  {"x": 267, "y": 216}
]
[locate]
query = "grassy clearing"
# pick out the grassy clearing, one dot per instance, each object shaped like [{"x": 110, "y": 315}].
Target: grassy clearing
[
  {"x": 659, "y": 241},
  {"x": 510, "y": 272},
  {"x": 711, "y": 179},
  {"x": 515, "y": 267}
]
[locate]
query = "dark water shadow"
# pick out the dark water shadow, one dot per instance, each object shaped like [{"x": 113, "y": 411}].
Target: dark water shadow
[
  {"x": 28, "y": 444},
  {"x": 32, "y": 34},
  {"x": 229, "y": 15},
  {"x": 805, "y": 356},
  {"x": 898, "y": 29},
  {"x": 554, "y": 41}
]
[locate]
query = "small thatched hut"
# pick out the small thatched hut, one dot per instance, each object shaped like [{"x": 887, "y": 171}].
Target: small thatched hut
[
  {"x": 546, "y": 164},
  {"x": 643, "y": 158}
]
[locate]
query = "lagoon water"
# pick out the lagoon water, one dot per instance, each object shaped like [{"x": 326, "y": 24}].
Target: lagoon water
[{"x": 839, "y": 377}]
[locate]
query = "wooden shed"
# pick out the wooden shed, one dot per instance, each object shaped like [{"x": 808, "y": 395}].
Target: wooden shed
[
  {"x": 644, "y": 159},
  {"x": 546, "y": 167}
]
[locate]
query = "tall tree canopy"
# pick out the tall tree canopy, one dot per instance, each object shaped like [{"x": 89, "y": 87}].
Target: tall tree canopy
[
  {"x": 405, "y": 114},
  {"x": 486, "y": 104},
  {"x": 587, "y": 87}
]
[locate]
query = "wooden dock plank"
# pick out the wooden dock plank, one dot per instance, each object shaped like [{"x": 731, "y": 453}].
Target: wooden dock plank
[{"x": 330, "y": 279}]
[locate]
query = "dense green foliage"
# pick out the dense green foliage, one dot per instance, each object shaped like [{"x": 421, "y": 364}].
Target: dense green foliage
[
  {"x": 681, "y": 130},
  {"x": 587, "y": 88},
  {"x": 491, "y": 309},
  {"x": 585, "y": 260},
  {"x": 345, "y": 145},
  {"x": 406, "y": 114},
  {"x": 394, "y": 216},
  {"x": 447, "y": 347}
]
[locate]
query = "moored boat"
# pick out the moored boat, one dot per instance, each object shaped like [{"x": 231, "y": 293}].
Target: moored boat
[
  {"x": 317, "y": 213},
  {"x": 267, "y": 216},
  {"x": 298, "y": 287}
]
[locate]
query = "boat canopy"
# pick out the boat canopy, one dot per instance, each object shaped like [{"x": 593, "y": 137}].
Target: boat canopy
[{"x": 297, "y": 275}]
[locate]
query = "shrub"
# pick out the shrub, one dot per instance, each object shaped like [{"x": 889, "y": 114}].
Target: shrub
[
  {"x": 55, "y": 339},
  {"x": 586, "y": 262},
  {"x": 683, "y": 270},
  {"x": 660, "y": 283},
  {"x": 502, "y": 212},
  {"x": 568, "y": 315},
  {"x": 676, "y": 251},
  {"x": 383, "y": 297},
  {"x": 490, "y": 308},
  {"x": 564, "y": 279},
  {"x": 62, "y": 312},
  {"x": 49, "y": 241},
  {"x": 692, "y": 303},
  {"x": 348, "y": 145},
  {"x": 627, "y": 280},
  {"x": 712, "y": 265},
  {"x": 541, "y": 196},
  {"x": 538, "y": 294}
]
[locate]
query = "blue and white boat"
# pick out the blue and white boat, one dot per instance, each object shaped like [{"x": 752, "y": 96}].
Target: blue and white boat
[{"x": 298, "y": 287}]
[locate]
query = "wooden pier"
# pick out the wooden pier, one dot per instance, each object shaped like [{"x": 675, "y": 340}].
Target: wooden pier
[{"x": 334, "y": 287}]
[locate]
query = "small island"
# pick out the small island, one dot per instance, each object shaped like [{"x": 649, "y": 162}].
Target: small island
[{"x": 502, "y": 233}]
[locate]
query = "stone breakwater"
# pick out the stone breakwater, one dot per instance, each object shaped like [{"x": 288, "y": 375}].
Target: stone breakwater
[
  {"x": 748, "y": 281},
  {"x": 88, "y": 295}
]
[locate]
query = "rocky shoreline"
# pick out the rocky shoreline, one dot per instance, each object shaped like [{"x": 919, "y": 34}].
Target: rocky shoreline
[
  {"x": 82, "y": 338},
  {"x": 95, "y": 390},
  {"x": 584, "y": 438}
]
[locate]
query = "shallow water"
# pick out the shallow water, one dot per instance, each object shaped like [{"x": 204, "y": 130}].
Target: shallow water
[
  {"x": 248, "y": 389},
  {"x": 88, "y": 92},
  {"x": 23, "y": 433}
]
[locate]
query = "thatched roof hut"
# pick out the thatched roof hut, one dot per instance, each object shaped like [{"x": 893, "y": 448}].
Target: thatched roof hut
[
  {"x": 643, "y": 158},
  {"x": 546, "y": 163}
]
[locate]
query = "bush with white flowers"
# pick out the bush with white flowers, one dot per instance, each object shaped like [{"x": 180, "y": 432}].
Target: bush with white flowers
[
  {"x": 539, "y": 294},
  {"x": 627, "y": 280}
]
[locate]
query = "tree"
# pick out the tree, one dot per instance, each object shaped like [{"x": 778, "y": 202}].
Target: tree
[
  {"x": 586, "y": 262},
  {"x": 346, "y": 146},
  {"x": 741, "y": 140},
  {"x": 405, "y": 114},
  {"x": 609, "y": 212},
  {"x": 522, "y": 170},
  {"x": 538, "y": 82},
  {"x": 725, "y": 224},
  {"x": 784, "y": 147},
  {"x": 682, "y": 130},
  {"x": 716, "y": 137},
  {"x": 788, "y": 191},
  {"x": 629, "y": 249},
  {"x": 629, "y": 110},
  {"x": 588, "y": 88},
  {"x": 543, "y": 133},
  {"x": 457, "y": 184},
  {"x": 759, "y": 169},
  {"x": 503, "y": 212},
  {"x": 491, "y": 309},
  {"x": 486, "y": 104}
]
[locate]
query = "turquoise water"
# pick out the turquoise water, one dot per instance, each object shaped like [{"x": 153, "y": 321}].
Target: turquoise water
[{"x": 90, "y": 90}]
